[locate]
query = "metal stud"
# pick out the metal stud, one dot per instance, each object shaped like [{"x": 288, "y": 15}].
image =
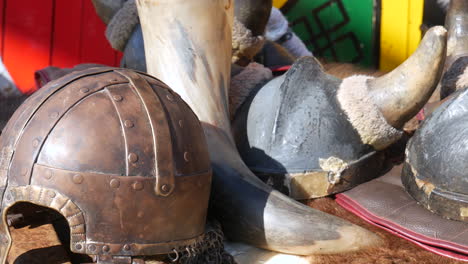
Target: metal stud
[
  {"x": 78, "y": 246},
  {"x": 165, "y": 188},
  {"x": 170, "y": 97},
  {"x": 126, "y": 247},
  {"x": 117, "y": 98},
  {"x": 105, "y": 248},
  {"x": 84, "y": 90},
  {"x": 36, "y": 143},
  {"x": 52, "y": 194},
  {"x": 137, "y": 186},
  {"x": 132, "y": 157},
  {"x": 186, "y": 156},
  {"x": 77, "y": 178},
  {"x": 48, "y": 175},
  {"x": 128, "y": 123},
  {"x": 54, "y": 115},
  {"x": 92, "y": 248},
  {"x": 114, "y": 183}
]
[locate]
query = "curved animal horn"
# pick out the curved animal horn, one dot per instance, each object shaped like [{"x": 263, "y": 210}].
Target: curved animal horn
[
  {"x": 188, "y": 46},
  {"x": 401, "y": 93},
  {"x": 456, "y": 23}
]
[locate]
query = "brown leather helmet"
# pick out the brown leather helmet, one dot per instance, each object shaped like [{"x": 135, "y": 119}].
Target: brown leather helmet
[{"x": 118, "y": 154}]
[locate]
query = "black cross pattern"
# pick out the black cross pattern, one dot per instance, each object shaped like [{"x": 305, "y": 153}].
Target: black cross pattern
[{"x": 316, "y": 39}]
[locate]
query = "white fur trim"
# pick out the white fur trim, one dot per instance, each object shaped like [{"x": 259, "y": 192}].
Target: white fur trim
[
  {"x": 462, "y": 81},
  {"x": 277, "y": 25},
  {"x": 244, "y": 43},
  {"x": 243, "y": 83},
  {"x": 364, "y": 115},
  {"x": 121, "y": 25}
]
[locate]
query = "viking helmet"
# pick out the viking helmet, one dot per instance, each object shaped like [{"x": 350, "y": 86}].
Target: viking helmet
[
  {"x": 118, "y": 154},
  {"x": 311, "y": 134},
  {"x": 435, "y": 171}
]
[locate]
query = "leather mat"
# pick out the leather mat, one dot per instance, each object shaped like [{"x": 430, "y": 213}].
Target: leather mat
[{"x": 385, "y": 204}]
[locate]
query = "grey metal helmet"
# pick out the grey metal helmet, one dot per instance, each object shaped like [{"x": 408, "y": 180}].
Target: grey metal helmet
[{"x": 435, "y": 172}]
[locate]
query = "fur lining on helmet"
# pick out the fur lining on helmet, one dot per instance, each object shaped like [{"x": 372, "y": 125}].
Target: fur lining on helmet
[
  {"x": 243, "y": 83},
  {"x": 462, "y": 81},
  {"x": 364, "y": 115},
  {"x": 121, "y": 25},
  {"x": 244, "y": 44}
]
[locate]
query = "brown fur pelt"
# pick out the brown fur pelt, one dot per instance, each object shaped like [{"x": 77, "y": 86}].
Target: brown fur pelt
[{"x": 395, "y": 250}]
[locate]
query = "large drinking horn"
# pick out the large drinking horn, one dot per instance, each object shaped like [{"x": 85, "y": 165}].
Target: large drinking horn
[
  {"x": 311, "y": 134},
  {"x": 189, "y": 48},
  {"x": 456, "y": 64}
]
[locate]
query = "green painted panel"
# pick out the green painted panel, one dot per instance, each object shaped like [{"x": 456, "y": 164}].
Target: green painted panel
[{"x": 340, "y": 30}]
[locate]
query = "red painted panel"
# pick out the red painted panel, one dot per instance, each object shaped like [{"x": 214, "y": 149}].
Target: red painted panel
[
  {"x": 94, "y": 46},
  {"x": 2, "y": 15},
  {"x": 118, "y": 58},
  {"x": 28, "y": 29},
  {"x": 67, "y": 32}
]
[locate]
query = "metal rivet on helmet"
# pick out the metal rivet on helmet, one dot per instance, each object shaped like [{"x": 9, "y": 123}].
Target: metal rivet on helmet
[
  {"x": 117, "y": 98},
  {"x": 36, "y": 143},
  {"x": 84, "y": 90},
  {"x": 77, "y": 178},
  {"x": 92, "y": 248},
  {"x": 132, "y": 157},
  {"x": 114, "y": 183},
  {"x": 48, "y": 174},
  {"x": 137, "y": 186},
  {"x": 128, "y": 123},
  {"x": 54, "y": 115},
  {"x": 105, "y": 248}
]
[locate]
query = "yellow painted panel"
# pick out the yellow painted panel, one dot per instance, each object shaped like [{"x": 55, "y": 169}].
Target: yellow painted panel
[
  {"x": 400, "y": 32},
  {"x": 414, "y": 28},
  {"x": 393, "y": 33},
  {"x": 279, "y": 3}
]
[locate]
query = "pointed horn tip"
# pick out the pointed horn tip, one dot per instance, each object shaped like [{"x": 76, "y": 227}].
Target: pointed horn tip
[{"x": 438, "y": 31}]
